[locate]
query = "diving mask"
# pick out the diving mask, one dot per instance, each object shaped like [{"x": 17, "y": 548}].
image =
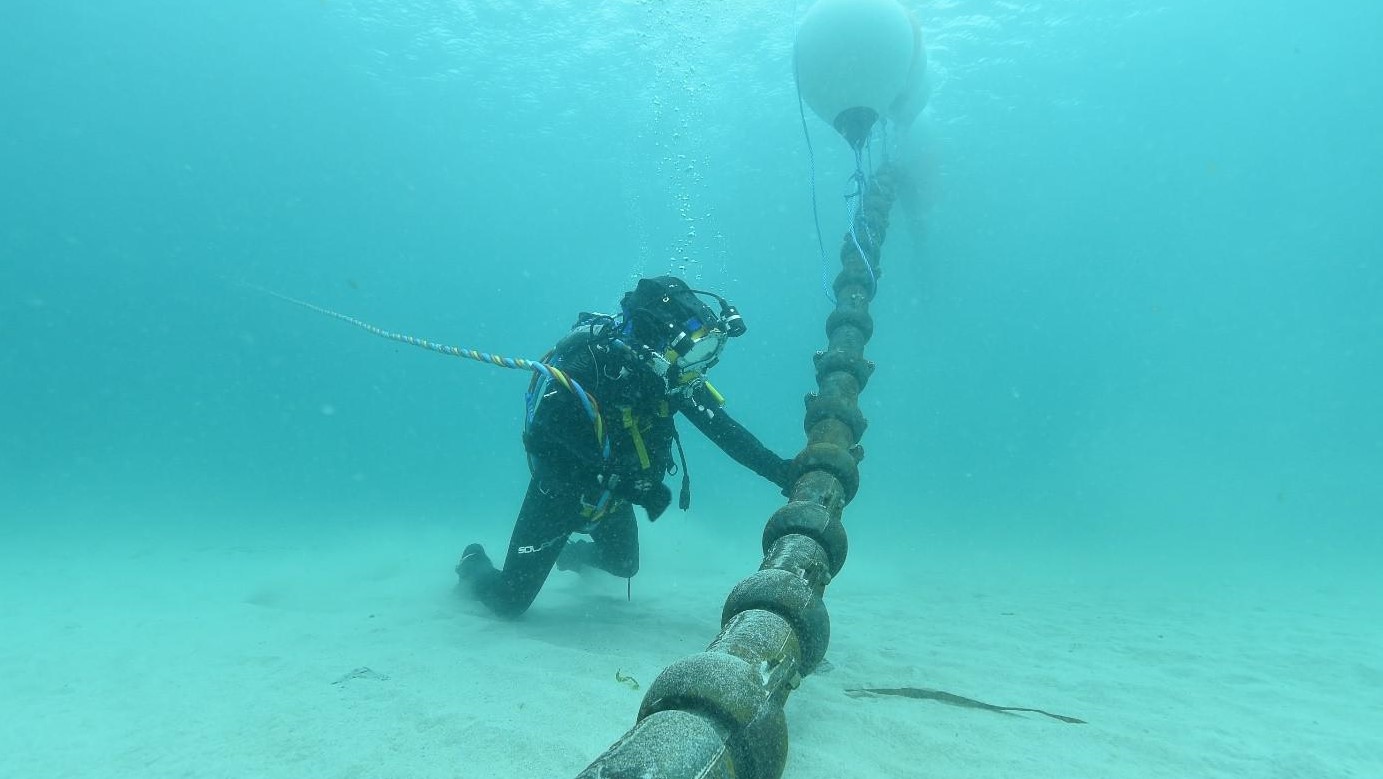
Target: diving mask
[
  {"x": 681, "y": 335},
  {"x": 704, "y": 352},
  {"x": 707, "y": 345}
]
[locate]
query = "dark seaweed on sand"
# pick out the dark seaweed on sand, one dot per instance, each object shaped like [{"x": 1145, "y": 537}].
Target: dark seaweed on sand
[{"x": 956, "y": 700}]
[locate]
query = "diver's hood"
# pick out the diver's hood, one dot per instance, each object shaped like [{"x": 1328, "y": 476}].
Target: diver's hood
[
  {"x": 681, "y": 336},
  {"x": 661, "y": 308}
]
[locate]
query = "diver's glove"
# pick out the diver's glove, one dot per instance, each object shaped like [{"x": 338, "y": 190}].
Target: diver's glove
[
  {"x": 783, "y": 475},
  {"x": 654, "y": 496}
]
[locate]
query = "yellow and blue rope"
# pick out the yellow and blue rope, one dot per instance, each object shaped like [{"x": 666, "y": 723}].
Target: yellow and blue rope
[{"x": 588, "y": 402}]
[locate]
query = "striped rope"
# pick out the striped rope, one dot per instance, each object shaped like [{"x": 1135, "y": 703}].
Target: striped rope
[{"x": 588, "y": 402}]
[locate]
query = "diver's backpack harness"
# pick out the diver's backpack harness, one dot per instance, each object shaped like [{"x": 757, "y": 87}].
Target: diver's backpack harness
[{"x": 606, "y": 334}]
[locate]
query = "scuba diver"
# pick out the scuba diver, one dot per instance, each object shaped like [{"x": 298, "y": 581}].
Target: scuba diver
[{"x": 592, "y": 463}]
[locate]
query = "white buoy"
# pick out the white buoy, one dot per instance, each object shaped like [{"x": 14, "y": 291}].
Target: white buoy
[
  {"x": 918, "y": 90},
  {"x": 852, "y": 60}
]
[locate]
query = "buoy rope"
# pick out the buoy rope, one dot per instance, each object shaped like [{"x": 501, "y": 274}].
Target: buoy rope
[
  {"x": 853, "y": 201},
  {"x": 811, "y": 166}
]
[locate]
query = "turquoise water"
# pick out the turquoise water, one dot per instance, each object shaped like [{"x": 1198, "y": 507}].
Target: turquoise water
[
  {"x": 1145, "y": 301},
  {"x": 1140, "y": 313}
]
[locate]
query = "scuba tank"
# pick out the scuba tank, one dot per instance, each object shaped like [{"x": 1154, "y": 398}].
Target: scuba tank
[{"x": 589, "y": 329}]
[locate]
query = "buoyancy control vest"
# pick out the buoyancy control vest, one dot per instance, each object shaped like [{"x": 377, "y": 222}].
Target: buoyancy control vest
[{"x": 633, "y": 403}]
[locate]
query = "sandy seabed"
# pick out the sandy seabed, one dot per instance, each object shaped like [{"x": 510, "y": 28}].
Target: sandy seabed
[{"x": 279, "y": 652}]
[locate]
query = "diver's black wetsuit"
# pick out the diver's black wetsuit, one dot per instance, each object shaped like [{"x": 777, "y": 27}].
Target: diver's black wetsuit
[{"x": 570, "y": 474}]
